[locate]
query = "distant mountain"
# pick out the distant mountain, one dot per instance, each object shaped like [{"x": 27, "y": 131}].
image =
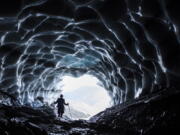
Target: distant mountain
[{"x": 75, "y": 114}]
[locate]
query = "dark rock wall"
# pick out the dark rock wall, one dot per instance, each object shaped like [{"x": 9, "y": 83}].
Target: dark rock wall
[
  {"x": 155, "y": 114},
  {"x": 132, "y": 46}
]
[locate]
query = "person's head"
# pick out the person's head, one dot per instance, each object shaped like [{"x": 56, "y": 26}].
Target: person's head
[{"x": 61, "y": 96}]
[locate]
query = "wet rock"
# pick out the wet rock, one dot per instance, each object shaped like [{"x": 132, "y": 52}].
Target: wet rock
[
  {"x": 158, "y": 114},
  {"x": 155, "y": 114}
]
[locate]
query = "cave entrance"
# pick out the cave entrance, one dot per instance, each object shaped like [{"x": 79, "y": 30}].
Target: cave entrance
[{"x": 85, "y": 95}]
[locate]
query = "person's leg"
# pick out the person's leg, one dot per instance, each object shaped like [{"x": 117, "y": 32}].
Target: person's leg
[{"x": 59, "y": 112}]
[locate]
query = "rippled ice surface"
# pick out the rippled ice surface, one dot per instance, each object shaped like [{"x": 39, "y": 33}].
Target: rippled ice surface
[{"x": 132, "y": 49}]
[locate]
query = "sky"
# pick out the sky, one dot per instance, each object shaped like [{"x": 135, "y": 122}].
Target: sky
[{"x": 84, "y": 94}]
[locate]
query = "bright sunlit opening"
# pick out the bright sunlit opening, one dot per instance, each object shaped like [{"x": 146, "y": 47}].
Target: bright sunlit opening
[{"x": 84, "y": 94}]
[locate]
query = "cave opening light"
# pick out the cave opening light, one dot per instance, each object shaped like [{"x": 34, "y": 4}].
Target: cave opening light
[{"x": 85, "y": 94}]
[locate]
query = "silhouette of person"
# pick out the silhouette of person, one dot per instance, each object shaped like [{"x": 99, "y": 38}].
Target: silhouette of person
[{"x": 60, "y": 105}]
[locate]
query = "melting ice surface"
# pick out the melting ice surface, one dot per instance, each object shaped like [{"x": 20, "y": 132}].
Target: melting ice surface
[{"x": 84, "y": 94}]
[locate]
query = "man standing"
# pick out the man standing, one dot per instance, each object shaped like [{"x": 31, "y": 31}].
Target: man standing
[{"x": 61, "y": 102}]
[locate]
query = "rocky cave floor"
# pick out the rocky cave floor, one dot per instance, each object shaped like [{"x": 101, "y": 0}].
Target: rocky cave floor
[{"x": 153, "y": 115}]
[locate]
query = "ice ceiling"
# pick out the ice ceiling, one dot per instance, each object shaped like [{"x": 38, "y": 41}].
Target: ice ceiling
[{"x": 132, "y": 46}]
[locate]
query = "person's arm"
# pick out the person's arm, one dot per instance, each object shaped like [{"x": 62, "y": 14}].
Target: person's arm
[
  {"x": 65, "y": 103},
  {"x": 56, "y": 101}
]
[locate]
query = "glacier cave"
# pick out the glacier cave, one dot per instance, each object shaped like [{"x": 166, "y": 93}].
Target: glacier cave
[{"x": 132, "y": 47}]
